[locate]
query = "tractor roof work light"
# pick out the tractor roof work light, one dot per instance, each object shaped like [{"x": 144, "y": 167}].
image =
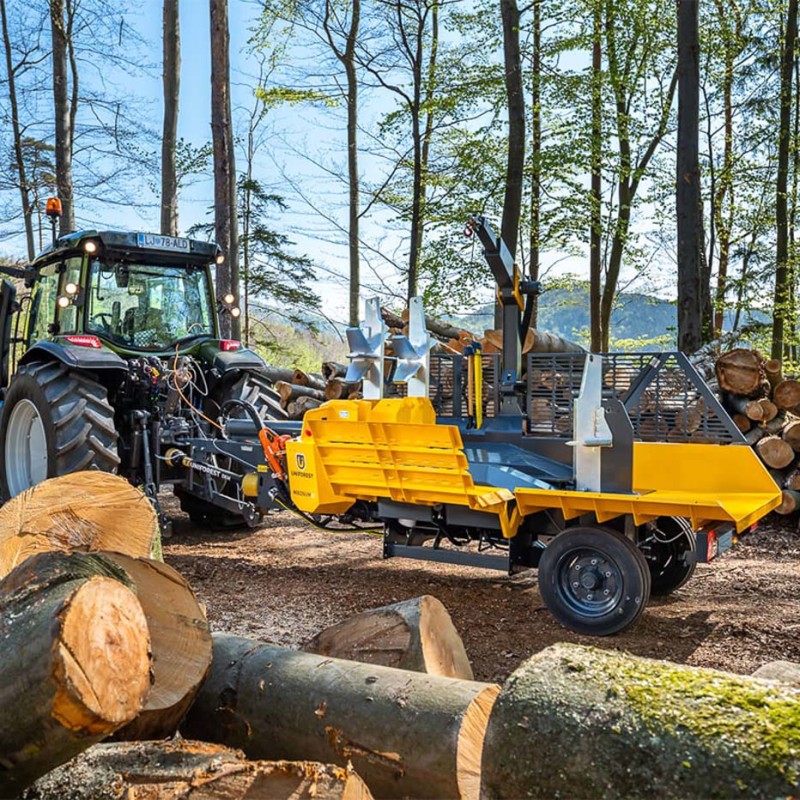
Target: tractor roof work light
[
  {"x": 228, "y": 299},
  {"x": 90, "y": 247},
  {"x": 220, "y": 259}
]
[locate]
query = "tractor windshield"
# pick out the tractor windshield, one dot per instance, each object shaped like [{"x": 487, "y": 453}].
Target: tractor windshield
[{"x": 148, "y": 306}]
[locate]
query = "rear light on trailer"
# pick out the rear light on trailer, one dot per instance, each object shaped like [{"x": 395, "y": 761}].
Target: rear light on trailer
[
  {"x": 84, "y": 341},
  {"x": 228, "y": 345}
]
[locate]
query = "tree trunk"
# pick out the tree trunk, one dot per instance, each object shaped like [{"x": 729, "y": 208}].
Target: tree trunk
[
  {"x": 536, "y": 342},
  {"x": 406, "y": 734},
  {"x": 416, "y": 635},
  {"x": 184, "y": 770},
  {"x": 74, "y": 662},
  {"x": 580, "y": 722},
  {"x": 171, "y": 81},
  {"x": 784, "y": 671},
  {"x": 691, "y": 292},
  {"x": 86, "y": 511},
  {"x": 226, "y": 224},
  {"x": 62, "y": 115},
  {"x": 596, "y": 216},
  {"x": 783, "y": 271},
  {"x": 25, "y": 199},
  {"x": 515, "y": 98},
  {"x": 180, "y": 642},
  {"x": 536, "y": 160}
]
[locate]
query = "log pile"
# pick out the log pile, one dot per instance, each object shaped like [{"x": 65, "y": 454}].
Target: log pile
[
  {"x": 765, "y": 405},
  {"x": 101, "y": 644}
]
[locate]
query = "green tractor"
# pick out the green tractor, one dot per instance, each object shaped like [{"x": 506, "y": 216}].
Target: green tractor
[{"x": 122, "y": 362}]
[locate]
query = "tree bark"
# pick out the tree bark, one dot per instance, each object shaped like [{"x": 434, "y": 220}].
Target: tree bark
[
  {"x": 180, "y": 643},
  {"x": 86, "y": 511},
  {"x": 63, "y": 116},
  {"x": 330, "y": 369},
  {"x": 295, "y": 409},
  {"x": 25, "y": 199},
  {"x": 536, "y": 161},
  {"x": 185, "y": 770},
  {"x": 416, "y": 635},
  {"x": 783, "y": 271},
  {"x": 606, "y": 724},
  {"x": 291, "y": 391},
  {"x": 515, "y": 99},
  {"x": 74, "y": 661},
  {"x": 536, "y": 342},
  {"x": 406, "y": 734},
  {"x": 226, "y": 224},
  {"x": 171, "y": 82},
  {"x": 338, "y": 388},
  {"x": 308, "y": 379},
  {"x": 596, "y": 200},
  {"x": 691, "y": 291}
]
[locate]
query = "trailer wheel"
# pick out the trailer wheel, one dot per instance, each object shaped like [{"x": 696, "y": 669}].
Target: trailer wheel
[
  {"x": 669, "y": 549},
  {"x": 593, "y": 580},
  {"x": 55, "y": 421}
]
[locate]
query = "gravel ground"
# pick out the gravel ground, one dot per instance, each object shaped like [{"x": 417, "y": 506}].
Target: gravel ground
[{"x": 283, "y": 582}]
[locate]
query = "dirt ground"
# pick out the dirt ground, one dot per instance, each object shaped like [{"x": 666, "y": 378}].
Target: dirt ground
[{"x": 284, "y": 582}]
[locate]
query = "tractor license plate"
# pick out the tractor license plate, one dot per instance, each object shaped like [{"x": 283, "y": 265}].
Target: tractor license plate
[
  {"x": 155, "y": 241},
  {"x": 711, "y": 544}
]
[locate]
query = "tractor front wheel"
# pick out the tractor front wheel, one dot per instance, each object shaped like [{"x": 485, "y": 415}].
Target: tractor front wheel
[
  {"x": 594, "y": 580},
  {"x": 55, "y": 421}
]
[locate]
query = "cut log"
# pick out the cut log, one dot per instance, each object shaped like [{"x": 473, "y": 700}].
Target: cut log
[
  {"x": 581, "y": 722},
  {"x": 339, "y": 389},
  {"x": 772, "y": 369},
  {"x": 180, "y": 644},
  {"x": 444, "y": 330},
  {"x": 792, "y": 480},
  {"x": 406, "y": 733},
  {"x": 180, "y": 770},
  {"x": 291, "y": 391},
  {"x": 790, "y": 502},
  {"x": 790, "y": 433},
  {"x": 416, "y": 634},
  {"x": 783, "y": 671},
  {"x": 742, "y": 422},
  {"x": 535, "y": 342},
  {"x": 308, "y": 379},
  {"x": 276, "y": 374},
  {"x": 86, "y": 511},
  {"x": 74, "y": 661},
  {"x": 739, "y": 371},
  {"x": 775, "y": 425},
  {"x": 297, "y": 408},
  {"x": 768, "y": 409},
  {"x": 754, "y": 435},
  {"x": 787, "y": 394},
  {"x": 774, "y": 452},
  {"x": 332, "y": 369}
]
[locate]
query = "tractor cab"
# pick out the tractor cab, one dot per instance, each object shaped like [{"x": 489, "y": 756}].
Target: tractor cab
[{"x": 133, "y": 293}]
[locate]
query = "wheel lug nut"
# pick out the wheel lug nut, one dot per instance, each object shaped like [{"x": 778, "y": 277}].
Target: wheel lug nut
[
  {"x": 594, "y": 562},
  {"x": 608, "y": 574},
  {"x": 589, "y": 596},
  {"x": 576, "y": 584},
  {"x": 606, "y": 591}
]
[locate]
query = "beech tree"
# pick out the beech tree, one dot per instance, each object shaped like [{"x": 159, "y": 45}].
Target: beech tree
[{"x": 171, "y": 82}]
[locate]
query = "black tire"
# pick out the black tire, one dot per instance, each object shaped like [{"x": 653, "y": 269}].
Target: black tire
[
  {"x": 76, "y": 418},
  {"x": 612, "y": 576},
  {"x": 250, "y": 387},
  {"x": 670, "y": 549}
]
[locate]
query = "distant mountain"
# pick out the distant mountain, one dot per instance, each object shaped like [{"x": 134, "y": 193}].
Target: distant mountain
[{"x": 649, "y": 321}]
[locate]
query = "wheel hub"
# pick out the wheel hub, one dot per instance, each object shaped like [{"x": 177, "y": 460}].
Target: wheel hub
[{"x": 591, "y": 582}]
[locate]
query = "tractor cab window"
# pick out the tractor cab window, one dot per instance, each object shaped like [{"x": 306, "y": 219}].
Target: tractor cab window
[
  {"x": 147, "y": 306},
  {"x": 43, "y": 304}
]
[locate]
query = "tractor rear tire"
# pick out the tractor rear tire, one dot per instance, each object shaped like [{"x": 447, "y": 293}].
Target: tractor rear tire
[
  {"x": 594, "y": 580},
  {"x": 55, "y": 421},
  {"x": 249, "y": 387}
]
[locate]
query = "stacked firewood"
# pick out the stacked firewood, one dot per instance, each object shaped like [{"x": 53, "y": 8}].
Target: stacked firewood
[
  {"x": 114, "y": 646},
  {"x": 765, "y": 405}
]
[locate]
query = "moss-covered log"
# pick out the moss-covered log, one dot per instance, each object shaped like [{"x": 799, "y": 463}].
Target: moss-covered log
[
  {"x": 405, "y": 733},
  {"x": 74, "y": 661},
  {"x": 82, "y": 511},
  {"x": 584, "y": 723},
  {"x": 180, "y": 643},
  {"x": 416, "y": 634},
  {"x": 185, "y": 770}
]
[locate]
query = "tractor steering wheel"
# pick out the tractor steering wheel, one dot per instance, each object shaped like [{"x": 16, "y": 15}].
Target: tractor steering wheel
[{"x": 105, "y": 320}]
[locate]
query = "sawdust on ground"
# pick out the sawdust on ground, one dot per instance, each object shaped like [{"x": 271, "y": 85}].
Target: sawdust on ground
[{"x": 283, "y": 582}]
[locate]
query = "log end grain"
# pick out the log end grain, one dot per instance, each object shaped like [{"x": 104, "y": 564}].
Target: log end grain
[
  {"x": 739, "y": 372},
  {"x": 102, "y": 658},
  {"x": 470, "y": 741}
]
